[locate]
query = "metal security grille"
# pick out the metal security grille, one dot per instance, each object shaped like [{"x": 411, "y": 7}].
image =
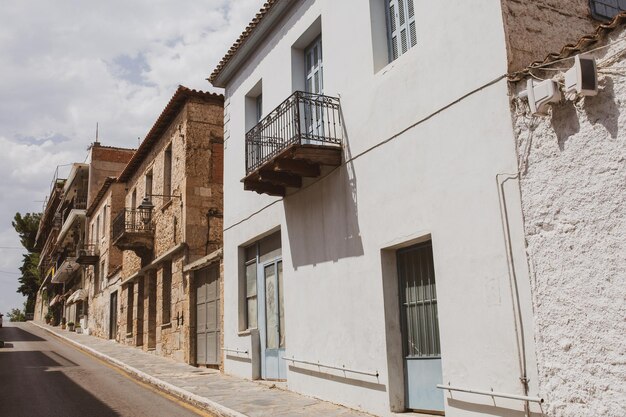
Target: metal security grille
[
  {"x": 606, "y": 9},
  {"x": 420, "y": 323}
]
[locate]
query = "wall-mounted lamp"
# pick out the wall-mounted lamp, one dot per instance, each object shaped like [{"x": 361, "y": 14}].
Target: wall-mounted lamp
[
  {"x": 582, "y": 78},
  {"x": 145, "y": 210},
  {"x": 540, "y": 95}
]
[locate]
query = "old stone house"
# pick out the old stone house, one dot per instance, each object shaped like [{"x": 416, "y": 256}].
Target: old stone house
[
  {"x": 170, "y": 232},
  {"x": 572, "y": 173}
]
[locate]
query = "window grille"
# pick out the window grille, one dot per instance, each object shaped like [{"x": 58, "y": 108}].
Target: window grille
[{"x": 606, "y": 9}]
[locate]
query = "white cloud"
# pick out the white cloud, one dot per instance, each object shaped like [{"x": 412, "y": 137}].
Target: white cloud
[{"x": 69, "y": 64}]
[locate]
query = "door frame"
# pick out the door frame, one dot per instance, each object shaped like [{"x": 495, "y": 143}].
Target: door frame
[
  {"x": 262, "y": 314},
  {"x": 113, "y": 313}
]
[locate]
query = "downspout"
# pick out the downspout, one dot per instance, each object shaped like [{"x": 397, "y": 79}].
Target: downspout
[{"x": 517, "y": 310}]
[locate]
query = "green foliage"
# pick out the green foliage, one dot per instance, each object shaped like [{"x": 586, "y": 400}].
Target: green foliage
[
  {"x": 16, "y": 315},
  {"x": 26, "y": 227}
]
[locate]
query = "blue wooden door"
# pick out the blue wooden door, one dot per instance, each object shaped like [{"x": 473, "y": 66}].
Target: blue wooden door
[
  {"x": 272, "y": 323},
  {"x": 420, "y": 328}
]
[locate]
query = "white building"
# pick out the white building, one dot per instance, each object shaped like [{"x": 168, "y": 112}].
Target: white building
[{"x": 378, "y": 138}]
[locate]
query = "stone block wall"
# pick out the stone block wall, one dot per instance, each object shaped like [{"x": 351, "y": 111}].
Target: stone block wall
[
  {"x": 195, "y": 137},
  {"x": 573, "y": 186},
  {"x": 534, "y": 29}
]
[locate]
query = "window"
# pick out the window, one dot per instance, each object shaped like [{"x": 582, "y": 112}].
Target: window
[
  {"x": 606, "y": 9},
  {"x": 149, "y": 184},
  {"x": 167, "y": 173},
  {"x": 259, "y": 107},
  {"x": 251, "y": 290},
  {"x": 167, "y": 292},
  {"x": 401, "y": 29},
  {"x": 104, "y": 221},
  {"x": 98, "y": 229}
]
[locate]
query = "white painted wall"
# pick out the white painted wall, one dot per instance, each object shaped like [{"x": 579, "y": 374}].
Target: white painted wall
[
  {"x": 436, "y": 178},
  {"x": 573, "y": 191}
]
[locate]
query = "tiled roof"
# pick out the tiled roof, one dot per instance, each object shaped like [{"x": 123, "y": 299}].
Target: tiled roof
[
  {"x": 582, "y": 45},
  {"x": 267, "y": 7},
  {"x": 176, "y": 103}
]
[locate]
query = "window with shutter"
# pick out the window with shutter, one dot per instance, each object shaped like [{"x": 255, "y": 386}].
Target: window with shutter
[
  {"x": 401, "y": 28},
  {"x": 606, "y": 9}
]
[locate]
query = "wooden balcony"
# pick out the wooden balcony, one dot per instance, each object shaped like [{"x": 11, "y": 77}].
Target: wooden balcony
[
  {"x": 133, "y": 230},
  {"x": 293, "y": 142}
]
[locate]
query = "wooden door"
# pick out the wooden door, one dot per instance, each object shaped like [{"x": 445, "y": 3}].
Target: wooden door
[{"x": 208, "y": 324}]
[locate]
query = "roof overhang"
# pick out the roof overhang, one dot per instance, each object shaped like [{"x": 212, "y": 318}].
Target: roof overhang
[
  {"x": 245, "y": 46},
  {"x": 74, "y": 215}
]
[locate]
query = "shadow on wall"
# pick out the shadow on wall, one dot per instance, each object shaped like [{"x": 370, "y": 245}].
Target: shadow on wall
[
  {"x": 565, "y": 122},
  {"x": 490, "y": 410},
  {"x": 603, "y": 109},
  {"x": 322, "y": 220},
  {"x": 338, "y": 378}
]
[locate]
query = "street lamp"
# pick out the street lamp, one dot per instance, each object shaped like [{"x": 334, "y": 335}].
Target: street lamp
[{"x": 145, "y": 211}]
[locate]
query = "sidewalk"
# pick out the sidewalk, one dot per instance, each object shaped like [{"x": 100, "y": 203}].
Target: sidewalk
[{"x": 219, "y": 394}]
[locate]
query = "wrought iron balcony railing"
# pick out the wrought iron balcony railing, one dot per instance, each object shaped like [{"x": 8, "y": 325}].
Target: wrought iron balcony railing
[
  {"x": 132, "y": 221},
  {"x": 302, "y": 119}
]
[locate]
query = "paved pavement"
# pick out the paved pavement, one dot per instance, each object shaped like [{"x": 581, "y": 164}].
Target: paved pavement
[
  {"x": 43, "y": 376},
  {"x": 220, "y": 394}
]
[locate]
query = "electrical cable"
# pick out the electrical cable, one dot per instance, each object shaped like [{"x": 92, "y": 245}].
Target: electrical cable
[{"x": 379, "y": 144}]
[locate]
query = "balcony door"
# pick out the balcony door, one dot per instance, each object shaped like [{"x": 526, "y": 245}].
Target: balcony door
[
  {"x": 420, "y": 328},
  {"x": 314, "y": 83}
]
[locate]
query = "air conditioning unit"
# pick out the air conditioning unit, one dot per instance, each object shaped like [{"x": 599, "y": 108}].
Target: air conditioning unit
[
  {"x": 540, "y": 95},
  {"x": 582, "y": 78}
]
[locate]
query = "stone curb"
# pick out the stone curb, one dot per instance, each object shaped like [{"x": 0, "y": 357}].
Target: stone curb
[{"x": 212, "y": 407}]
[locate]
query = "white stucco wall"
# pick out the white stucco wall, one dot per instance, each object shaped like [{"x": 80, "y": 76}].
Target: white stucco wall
[
  {"x": 573, "y": 194},
  {"x": 437, "y": 178}
]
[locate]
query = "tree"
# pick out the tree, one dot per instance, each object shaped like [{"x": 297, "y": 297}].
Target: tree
[
  {"x": 16, "y": 315},
  {"x": 26, "y": 227}
]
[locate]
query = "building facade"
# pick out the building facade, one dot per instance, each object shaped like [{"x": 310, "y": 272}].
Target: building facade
[
  {"x": 172, "y": 217},
  {"x": 572, "y": 175},
  {"x": 374, "y": 248}
]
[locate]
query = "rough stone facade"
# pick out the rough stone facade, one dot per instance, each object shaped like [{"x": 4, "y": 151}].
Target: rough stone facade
[
  {"x": 573, "y": 185},
  {"x": 187, "y": 225},
  {"x": 534, "y": 29},
  {"x": 103, "y": 279}
]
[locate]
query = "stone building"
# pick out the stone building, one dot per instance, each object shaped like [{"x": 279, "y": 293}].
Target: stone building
[
  {"x": 572, "y": 168},
  {"x": 63, "y": 238},
  {"x": 170, "y": 232},
  {"x": 367, "y": 259}
]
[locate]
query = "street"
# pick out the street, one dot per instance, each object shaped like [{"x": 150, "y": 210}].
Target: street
[{"x": 43, "y": 376}]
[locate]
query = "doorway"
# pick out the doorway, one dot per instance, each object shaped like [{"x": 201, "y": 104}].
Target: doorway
[
  {"x": 208, "y": 329},
  {"x": 420, "y": 328},
  {"x": 113, "y": 316}
]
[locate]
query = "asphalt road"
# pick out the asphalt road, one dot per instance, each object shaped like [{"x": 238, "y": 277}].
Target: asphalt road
[{"x": 41, "y": 376}]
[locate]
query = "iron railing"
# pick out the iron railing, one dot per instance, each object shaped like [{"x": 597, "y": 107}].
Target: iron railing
[
  {"x": 132, "y": 221},
  {"x": 88, "y": 249},
  {"x": 303, "y": 118}
]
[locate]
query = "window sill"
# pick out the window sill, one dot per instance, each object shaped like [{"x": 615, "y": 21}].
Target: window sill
[
  {"x": 246, "y": 332},
  {"x": 166, "y": 325}
]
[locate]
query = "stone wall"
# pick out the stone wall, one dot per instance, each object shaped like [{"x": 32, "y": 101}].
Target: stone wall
[
  {"x": 534, "y": 29},
  {"x": 195, "y": 135},
  {"x": 573, "y": 186}
]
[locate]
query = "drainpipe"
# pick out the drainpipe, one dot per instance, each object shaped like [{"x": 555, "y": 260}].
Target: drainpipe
[{"x": 517, "y": 310}]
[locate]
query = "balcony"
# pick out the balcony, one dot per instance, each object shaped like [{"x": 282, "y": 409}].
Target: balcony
[
  {"x": 294, "y": 141},
  {"x": 89, "y": 254},
  {"x": 133, "y": 230},
  {"x": 64, "y": 268}
]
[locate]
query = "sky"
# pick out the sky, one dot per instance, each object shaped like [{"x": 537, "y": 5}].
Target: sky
[{"x": 67, "y": 65}]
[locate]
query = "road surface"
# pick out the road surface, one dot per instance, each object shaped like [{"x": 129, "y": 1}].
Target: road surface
[{"x": 42, "y": 376}]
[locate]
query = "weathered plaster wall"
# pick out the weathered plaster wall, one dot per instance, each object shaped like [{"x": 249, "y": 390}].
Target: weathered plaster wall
[
  {"x": 534, "y": 29},
  {"x": 573, "y": 189}
]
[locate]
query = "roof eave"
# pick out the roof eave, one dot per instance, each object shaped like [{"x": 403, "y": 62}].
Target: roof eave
[{"x": 222, "y": 76}]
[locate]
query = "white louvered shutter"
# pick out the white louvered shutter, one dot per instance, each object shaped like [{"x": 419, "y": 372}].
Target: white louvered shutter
[{"x": 402, "y": 30}]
